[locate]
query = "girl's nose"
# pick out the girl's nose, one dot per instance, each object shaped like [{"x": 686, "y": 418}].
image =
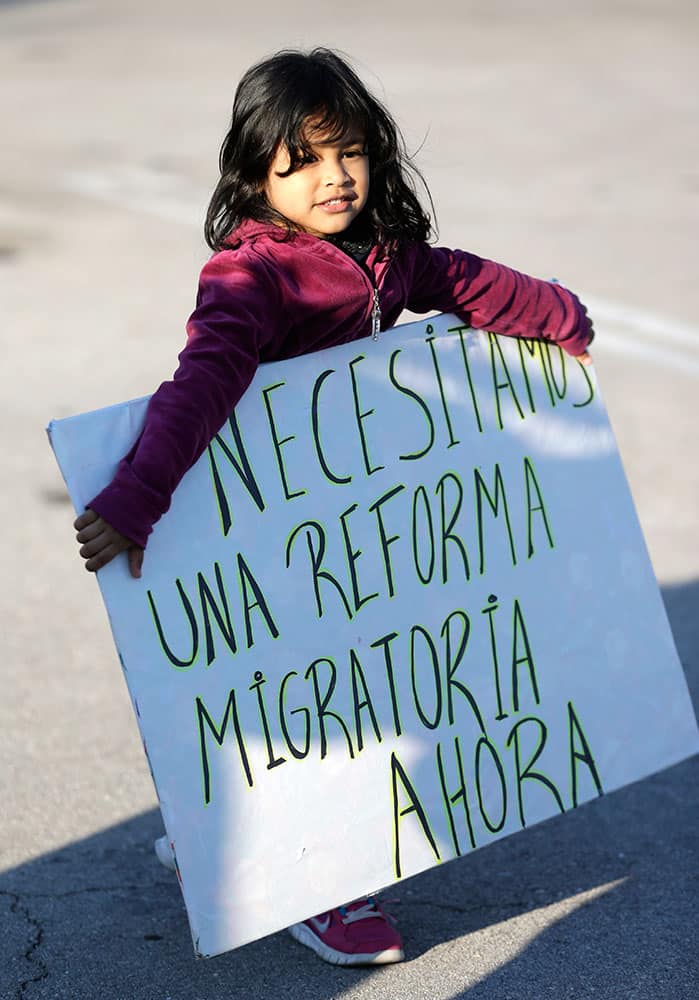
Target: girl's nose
[{"x": 336, "y": 173}]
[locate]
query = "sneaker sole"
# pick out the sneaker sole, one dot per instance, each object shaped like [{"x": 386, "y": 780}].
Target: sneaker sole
[
  {"x": 304, "y": 935},
  {"x": 163, "y": 853}
]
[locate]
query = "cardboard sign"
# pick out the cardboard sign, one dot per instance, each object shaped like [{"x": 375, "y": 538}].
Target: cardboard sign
[{"x": 400, "y": 608}]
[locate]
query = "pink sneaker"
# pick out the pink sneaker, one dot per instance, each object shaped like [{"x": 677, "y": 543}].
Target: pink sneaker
[{"x": 357, "y": 934}]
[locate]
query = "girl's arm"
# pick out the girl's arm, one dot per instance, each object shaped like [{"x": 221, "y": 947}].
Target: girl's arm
[
  {"x": 487, "y": 295},
  {"x": 236, "y": 304}
]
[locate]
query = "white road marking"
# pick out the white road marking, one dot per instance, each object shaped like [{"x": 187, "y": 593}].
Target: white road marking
[
  {"x": 622, "y": 341},
  {"x": 643, "y": 323},
  {"x": 173, "y": 198},
  {"x": 161, "y": 194}
]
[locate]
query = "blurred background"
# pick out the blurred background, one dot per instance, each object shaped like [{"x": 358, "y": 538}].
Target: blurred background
[{"x": 558, "y": 138}]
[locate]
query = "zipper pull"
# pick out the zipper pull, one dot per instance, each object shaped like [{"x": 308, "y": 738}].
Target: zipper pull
[{"x": 375, "y": 316}]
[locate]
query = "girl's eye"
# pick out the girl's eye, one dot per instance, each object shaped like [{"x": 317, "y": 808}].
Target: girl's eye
[{"x": 354, "y": 152}]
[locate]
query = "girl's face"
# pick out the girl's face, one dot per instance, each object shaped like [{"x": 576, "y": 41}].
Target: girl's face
[{"x": 328, "y": 190}]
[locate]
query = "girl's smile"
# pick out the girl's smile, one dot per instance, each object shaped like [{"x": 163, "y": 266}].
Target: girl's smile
[{"x": 327, "y": 190}]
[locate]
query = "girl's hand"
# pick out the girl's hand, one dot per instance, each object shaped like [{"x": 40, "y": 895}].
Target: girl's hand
[
  {"x": 585, "y": 358},
  {"x": 100, "y": 543}
]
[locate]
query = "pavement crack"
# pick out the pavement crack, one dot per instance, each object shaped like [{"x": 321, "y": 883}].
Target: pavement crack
[
  {"x": 19, "y": 907},
  {"x": 121, "y": 887},
  {"x": 510, "y": 904},
  {"x": 31, "y": 955}
]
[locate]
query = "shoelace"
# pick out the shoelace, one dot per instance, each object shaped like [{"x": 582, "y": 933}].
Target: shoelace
[{"x": 369, "y": 909}]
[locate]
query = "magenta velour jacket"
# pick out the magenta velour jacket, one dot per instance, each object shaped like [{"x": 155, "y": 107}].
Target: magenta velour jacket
[{"x": 265, "y": 298}]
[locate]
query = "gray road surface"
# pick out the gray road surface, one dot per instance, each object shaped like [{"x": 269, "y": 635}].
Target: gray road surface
[{"x": 559, "y": 138}]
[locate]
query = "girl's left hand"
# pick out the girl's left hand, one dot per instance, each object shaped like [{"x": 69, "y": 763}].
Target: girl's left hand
[
  {"x": 585, "y": 358},
  {"x": 100, "y": 543}
]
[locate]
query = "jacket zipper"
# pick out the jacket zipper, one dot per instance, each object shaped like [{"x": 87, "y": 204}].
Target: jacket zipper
[
  {"x": 375, "y": 316},
  {"x": 375, "y": 305}
]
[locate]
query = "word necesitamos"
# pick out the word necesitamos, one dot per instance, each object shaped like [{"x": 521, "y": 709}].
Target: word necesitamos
[{"x": 538, "y": 383}]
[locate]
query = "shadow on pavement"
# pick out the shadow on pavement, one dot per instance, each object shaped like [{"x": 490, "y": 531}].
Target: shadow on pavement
[{"x": 101, "y": 919}]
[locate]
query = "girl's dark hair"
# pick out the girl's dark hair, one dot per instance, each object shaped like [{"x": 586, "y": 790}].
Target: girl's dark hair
[{"x": 273, "y": 103}]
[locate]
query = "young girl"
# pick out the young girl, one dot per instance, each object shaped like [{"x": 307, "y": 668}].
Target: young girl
[{"x": 318, "y": 239}]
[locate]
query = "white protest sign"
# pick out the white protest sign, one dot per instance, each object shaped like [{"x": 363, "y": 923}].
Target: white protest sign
[{"x": 400, "y": 608}]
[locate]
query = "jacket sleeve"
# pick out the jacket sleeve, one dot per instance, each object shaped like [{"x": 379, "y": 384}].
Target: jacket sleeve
[
  {"x": 236, "y": 313},
  {"x": 491, "y": 296}
]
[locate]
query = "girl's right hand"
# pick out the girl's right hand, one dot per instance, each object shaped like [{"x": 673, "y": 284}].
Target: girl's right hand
[{"x": 100, "y": 543}]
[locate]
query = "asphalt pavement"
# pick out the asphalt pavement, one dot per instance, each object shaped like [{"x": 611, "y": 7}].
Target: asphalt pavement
[{"x": 561, "y": 139}]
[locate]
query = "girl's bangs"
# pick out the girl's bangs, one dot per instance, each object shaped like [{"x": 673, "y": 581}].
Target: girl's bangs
[{"x": 330, "y": 120}]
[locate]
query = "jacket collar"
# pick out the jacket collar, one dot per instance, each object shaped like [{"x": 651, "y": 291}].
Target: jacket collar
[{"x": 250, "y": 230}]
